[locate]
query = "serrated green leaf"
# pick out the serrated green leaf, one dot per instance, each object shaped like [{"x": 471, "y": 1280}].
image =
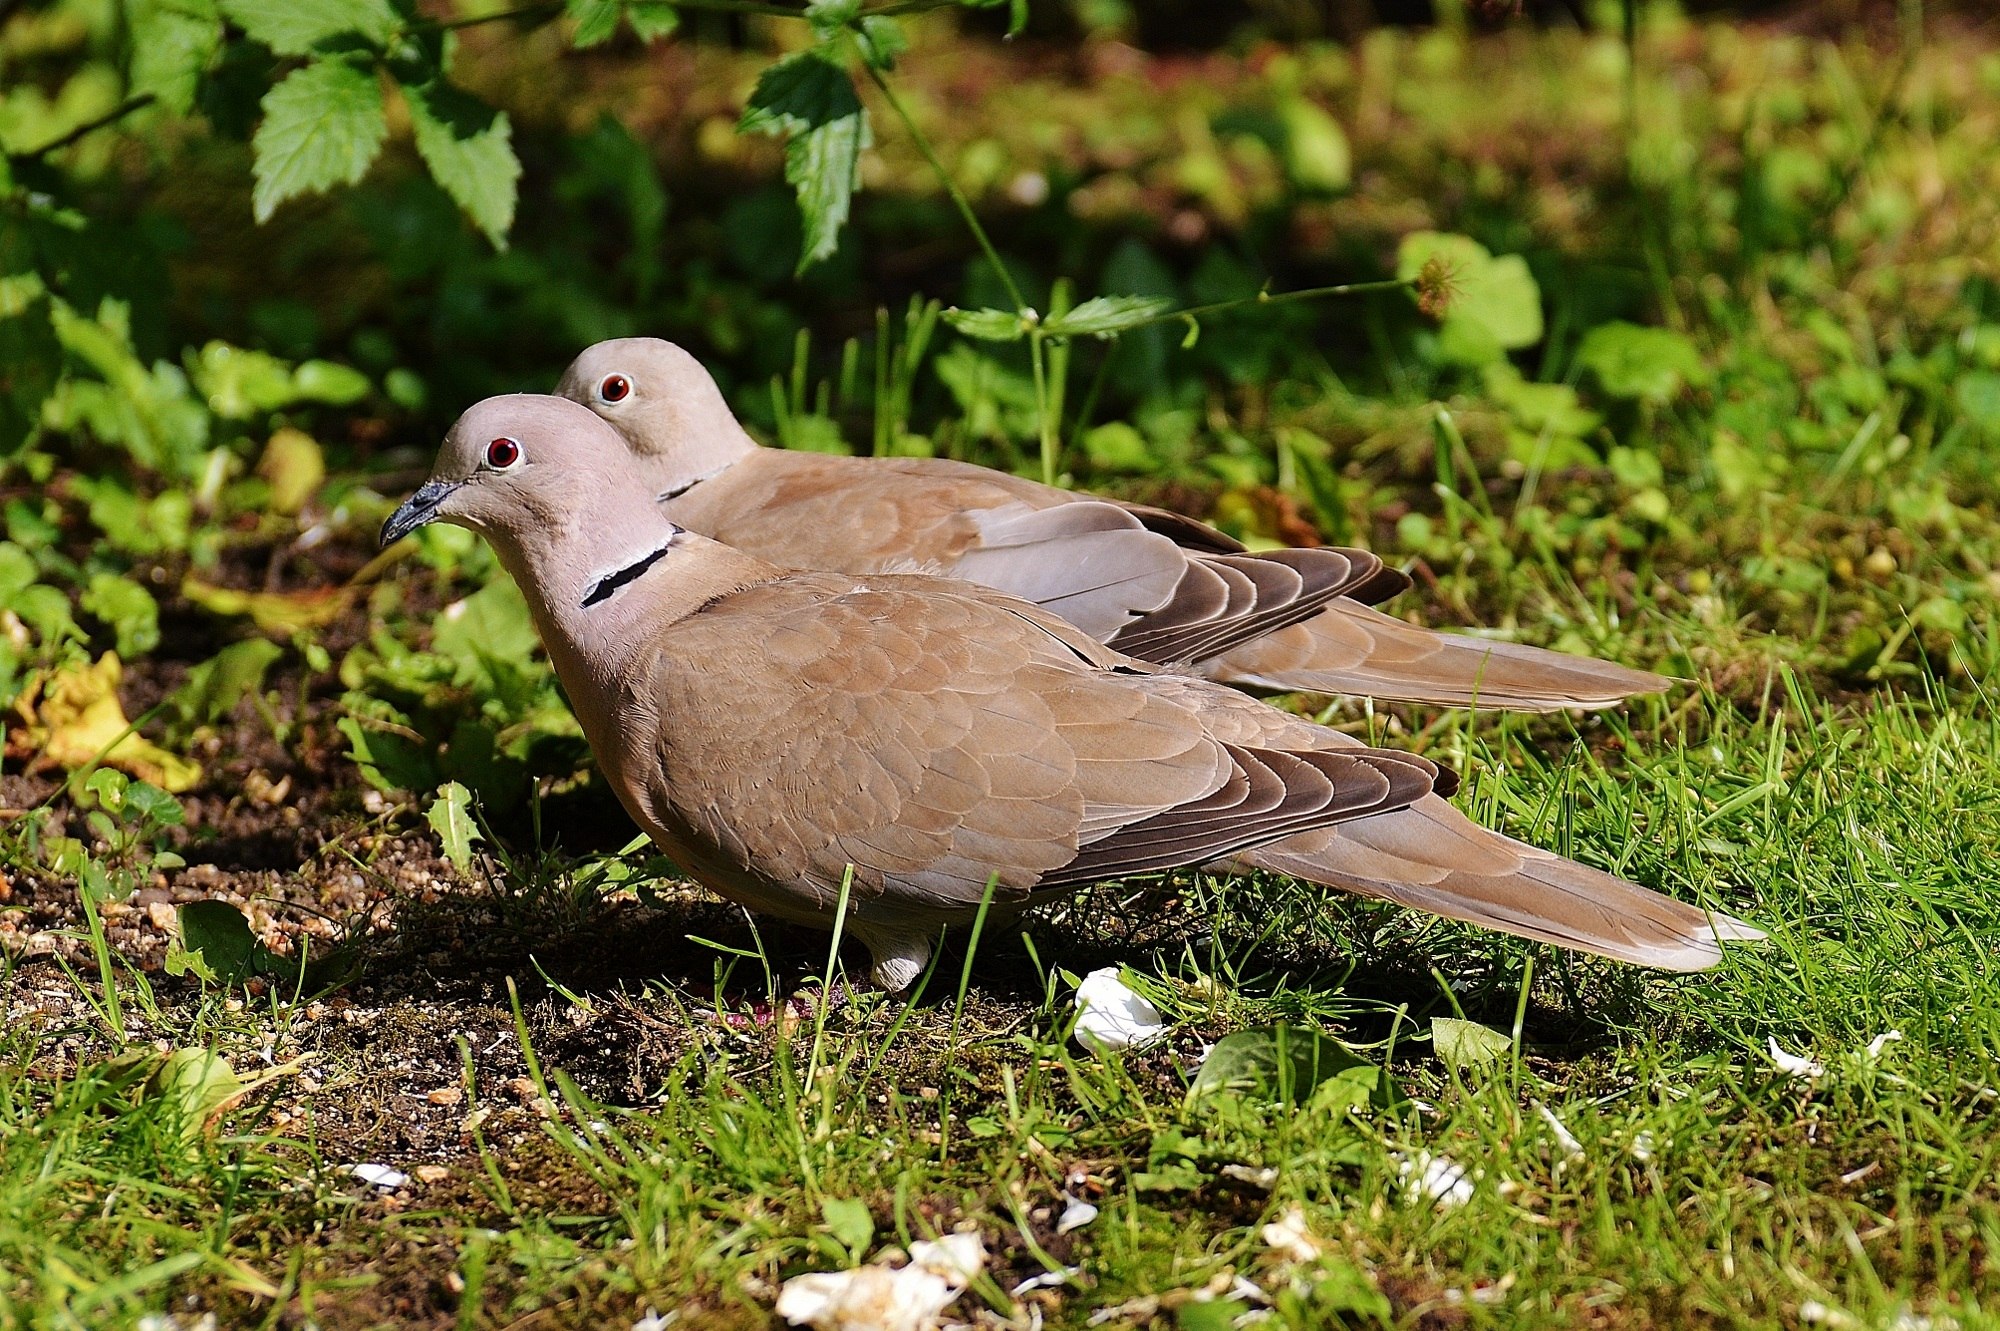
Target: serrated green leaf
[
  {"x": 450, "y": 816},
  {"x": 811, "y": 100},
  {"x": 469, "y": 149},
  {"x": 987, "y": 325},
  {"x": 322, "y": 126},
  {"x": 172, "y": 43},
  {"x": 1466, "y": 1044},
  {"x": 1104, "y": 316},
  {"x": 298, "y": 27},
  {"x": 651, "y": 19},
  {"x": 595, "y": 20}
]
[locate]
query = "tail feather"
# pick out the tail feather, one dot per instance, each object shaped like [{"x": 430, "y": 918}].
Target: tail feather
[
  {"x": 1351, "y": 648},
  {"x": 1432, "y": 858}
]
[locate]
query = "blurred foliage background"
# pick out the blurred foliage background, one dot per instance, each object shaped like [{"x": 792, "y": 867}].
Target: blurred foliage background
[{"x": 1677, "y": 335}]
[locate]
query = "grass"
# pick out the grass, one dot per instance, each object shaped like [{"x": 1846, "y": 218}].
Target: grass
[
  {"x": 609, "y": 1095},
  {"x": 1704, "y": 1185}
]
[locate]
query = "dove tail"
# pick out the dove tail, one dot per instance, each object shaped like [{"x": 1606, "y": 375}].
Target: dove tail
[
  {"x": 1430, "y": 857},
  {"x": 1352, "y": 649}
]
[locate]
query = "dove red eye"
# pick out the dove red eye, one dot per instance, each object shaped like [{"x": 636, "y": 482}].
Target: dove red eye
[
  {"x": 615, "y": 388},
  {"x": 502, "y": 453}
]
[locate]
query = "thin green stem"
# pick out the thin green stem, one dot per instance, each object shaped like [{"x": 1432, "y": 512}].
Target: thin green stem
[
  {"x": 950, "y": 187},
  {"x": 1269, "y": 298},
  {"x": 1042, "y": 412}
]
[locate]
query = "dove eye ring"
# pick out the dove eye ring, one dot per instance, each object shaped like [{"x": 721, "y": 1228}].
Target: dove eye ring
[
  {"x": 502, "y": 453},
  {"x": 615, "y": 388}
]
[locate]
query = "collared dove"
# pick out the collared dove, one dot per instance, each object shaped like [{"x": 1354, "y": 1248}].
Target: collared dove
[
  {"x": 774, "y": 730},
  {"x": 1130, "y": 576}
]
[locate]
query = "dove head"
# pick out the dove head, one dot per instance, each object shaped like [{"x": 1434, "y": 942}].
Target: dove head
[
  {"x": 552, "y": 487},
  {"x": 664, "y": 404}
]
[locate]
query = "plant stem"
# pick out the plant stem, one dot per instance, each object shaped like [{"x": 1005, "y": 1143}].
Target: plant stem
[
  {"x": 88, "y": 127},
  {"x": 1044, "y": 417},
  {"x": 951, "y": 188},
  {"x": 1267, "y": 298}
]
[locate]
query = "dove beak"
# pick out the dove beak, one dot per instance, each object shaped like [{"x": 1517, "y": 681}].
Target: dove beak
[{"x": 417, "y": 510}]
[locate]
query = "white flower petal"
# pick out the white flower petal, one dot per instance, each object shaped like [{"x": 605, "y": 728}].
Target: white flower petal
[
  {"x": 1436, "y": 1178},
  {"x": 1289, "y": 1237},
  {"x": 1881, "y": 1042},
  {"x": 1075, "y": 1215},
  {"x": 886, "y": 1298},
  {"x": 380, "y": 1176},
  {"x": 1799, "y": 1067},
  {"x": 1642, "y": 1146},
  {"x": 1572, "y": 1149},
  {"x": 1111, "y": 1016},
  {"x": 657, "y": 1321}
]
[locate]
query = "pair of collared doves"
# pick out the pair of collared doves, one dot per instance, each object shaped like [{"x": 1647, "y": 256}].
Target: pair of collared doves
[
  {"x": 1153, "y": 584},
  {"x": 776, "y": 731}
]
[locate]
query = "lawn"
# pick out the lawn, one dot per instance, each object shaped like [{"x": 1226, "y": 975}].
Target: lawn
[{"x": 335, "y": 994}]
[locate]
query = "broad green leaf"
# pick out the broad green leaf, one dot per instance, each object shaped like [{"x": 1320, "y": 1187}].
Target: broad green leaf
[
  {"x": 214, "y": 687},
  {"x": 469, "y": 149},
  {"x": 173, "y": 41},
  {"x": 595, "y": 20},
  {"x": 450, "y": 816},
  {"x": 1640, "y": 364},
  {"x": 1466, "y": 1044},
  {"x": 298, "y": 27},
  {"x": 1288, "y": 1065},
  {"x": 1978, "y": 396},
  {"x": 330, "y": 382},
  {"x": 1117, "y": 446},
  {"x": 284, "y": 614},
  {"x": 848, "y": 1219},
  {"x": 1494, "y": 304},
  {"x": 492, "y": 624},
  {"x": 322, "y": 126},
  {"x": 129, "y": 609},
  {"x": 392, "y": 757},
  {"x": 1103, "y": 316},
  {"x": 811, "y": 100},
  {"x": 196, "y": 1085},
  {"x": 216, "y": 942},
  {"x": 987, "y": 325},
  {"x": 881, "y": 40}
]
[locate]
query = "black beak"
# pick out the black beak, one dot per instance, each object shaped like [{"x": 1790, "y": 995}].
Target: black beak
[{"x": 417, "y": 510}]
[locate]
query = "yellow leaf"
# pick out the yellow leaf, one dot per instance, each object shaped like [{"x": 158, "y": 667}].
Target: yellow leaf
[
  {"x": 293, "y": 467},
  {"x": 278, "y": 613},
  {"x": 77, "y": 715}
]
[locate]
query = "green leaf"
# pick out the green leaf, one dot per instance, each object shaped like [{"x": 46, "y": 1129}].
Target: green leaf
[
  {"x": 469, "y": 149},
  {"x": 299, "y": 27},
  {"x": 1640, "y": 364},
  {"x": 1117, "y": 446},
  {"x": 1467, "y": 1045},
  {"x": 391, "y": 758},
  {"x": 881, "y": 40},
  {"x": 1317, "y": 156},
  {"x": 214, "y": 687},
  {"x": 450, "y": 816},
  {"x": 173, "y": 42},
  {"x": 1288, "y": 1065},
  {"x": 651, "y": 19},
  {"x": 215, "y": 943},
  {"x": 849, "y": 1221},
  {"x": 1978, "y": 396},
  {"x": 128, "y": 608},
  {"x": 595, "y": 20},
  {"x": 1105, "y": 316},
  {"x": 322, "y": 126},
  {"x": 1494, "y": 307},
  {"x": 987, "y": 325},
  {"x": 811, "y": 100}
]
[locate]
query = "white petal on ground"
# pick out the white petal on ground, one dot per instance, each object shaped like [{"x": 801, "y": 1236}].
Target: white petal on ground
[
  {"x": 877, "y": 1297},
  {"x": 1046, "y": 1280},
  {"x": 1076, "y": 1214},
  {"x": 1799, "y": 1067},
  {"x": 380, "y": 1176},
  {"x": 1111, "y": 1016},
  {"x": 1436, "y": 1178},
  {"x": 1290, "y": 1239},
  {"x": 1642, "y": 1146},
  {"x": 1881, "y": 1042},
  {"x": 657, "y": 1321},
  {"x": 1820, "y": 1314},
  {"x": 1572, "y": 1149}
]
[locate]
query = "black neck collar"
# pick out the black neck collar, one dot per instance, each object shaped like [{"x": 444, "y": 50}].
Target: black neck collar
[{"x": 604, "y": 588}]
